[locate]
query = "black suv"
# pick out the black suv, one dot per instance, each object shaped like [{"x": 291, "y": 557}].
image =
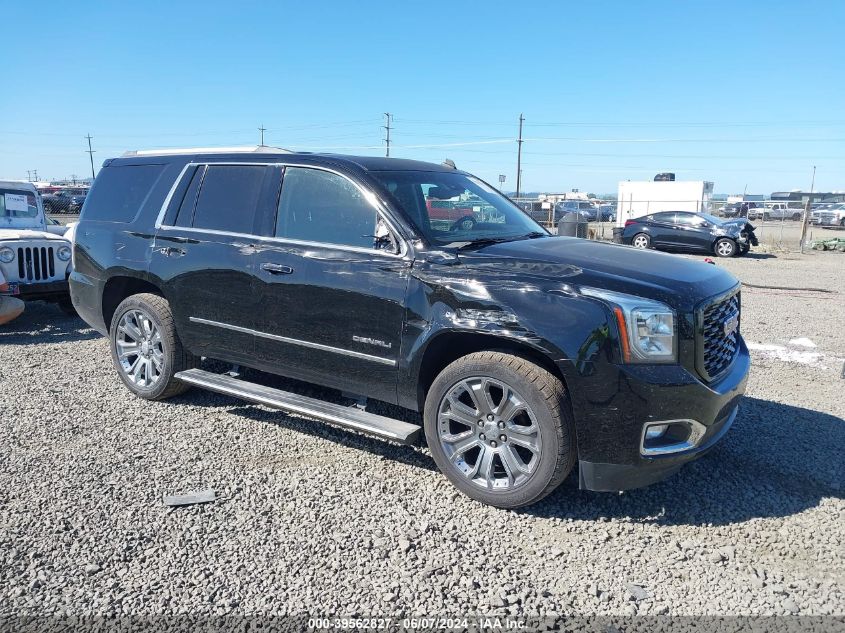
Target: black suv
[{"x": 524, "y": 352}]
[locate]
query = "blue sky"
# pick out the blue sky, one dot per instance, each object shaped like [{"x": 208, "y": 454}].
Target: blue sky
[{"x": 741, "y": 93}]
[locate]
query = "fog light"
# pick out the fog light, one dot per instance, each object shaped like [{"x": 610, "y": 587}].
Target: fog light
[{"x": 656, "y": 431}]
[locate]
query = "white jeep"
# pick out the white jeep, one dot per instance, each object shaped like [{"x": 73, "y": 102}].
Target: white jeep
[{"x": 35, "y": 262}]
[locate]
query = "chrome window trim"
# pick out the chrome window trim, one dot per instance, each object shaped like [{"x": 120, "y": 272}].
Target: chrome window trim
[
  {"x": 293, "y": 341},
  {"x": 369, "y": 195}
]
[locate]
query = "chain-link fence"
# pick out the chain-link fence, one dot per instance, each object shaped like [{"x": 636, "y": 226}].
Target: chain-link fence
[
  {"x": 63, "y": 200},
  {"x": 778, "y": 223}
]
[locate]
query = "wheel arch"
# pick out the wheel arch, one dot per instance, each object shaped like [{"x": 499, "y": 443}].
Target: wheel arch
[
  {"x": 447, "y": 347},
  {"x": 118, "y": 288}
]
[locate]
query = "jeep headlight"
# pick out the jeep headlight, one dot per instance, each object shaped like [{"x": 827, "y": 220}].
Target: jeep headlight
[
  {"x": 6, "y": 254},
  {"x": 63, "y": 253},
  {"x": 647, "y": 328}
]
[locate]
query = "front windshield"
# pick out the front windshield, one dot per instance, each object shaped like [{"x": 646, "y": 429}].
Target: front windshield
[
  {"x": 453, "y": 208},
  {"x": 17, "y": 204}
]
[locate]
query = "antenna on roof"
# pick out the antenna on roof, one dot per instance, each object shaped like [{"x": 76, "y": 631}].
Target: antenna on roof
[{"x": 449, "y": 163}]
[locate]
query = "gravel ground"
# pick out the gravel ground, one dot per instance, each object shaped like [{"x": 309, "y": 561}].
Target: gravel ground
[{"x": 312, "y": 519}]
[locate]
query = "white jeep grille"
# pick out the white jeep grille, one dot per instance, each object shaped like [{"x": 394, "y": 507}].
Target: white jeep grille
[{"x": 36, "y": 263}]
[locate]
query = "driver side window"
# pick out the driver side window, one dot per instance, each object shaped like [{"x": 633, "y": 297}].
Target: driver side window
[{"x": 320, "y": 206}]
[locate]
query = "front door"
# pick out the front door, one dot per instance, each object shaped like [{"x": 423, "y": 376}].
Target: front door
[{"x": 332, "y": 283}]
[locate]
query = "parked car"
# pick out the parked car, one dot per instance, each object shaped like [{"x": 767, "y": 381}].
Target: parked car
[
  {"x": 690, "y": 232},
  {"x": 34, "y": 261},
  {"x": 777, "y": 211},
  {"x": 833, "y": 215},
  {"x": 64, "y": 201},
  {"x": 607, "y": 213},
  {"x": 586, "y": 210},
  {"x": 740, "y": 210},
  {"x": 511, "y": 342}
]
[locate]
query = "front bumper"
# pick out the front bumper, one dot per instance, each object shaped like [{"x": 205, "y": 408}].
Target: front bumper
[
  {"x": 610, "y": 418},
  {"x": 49, "y": 291}
]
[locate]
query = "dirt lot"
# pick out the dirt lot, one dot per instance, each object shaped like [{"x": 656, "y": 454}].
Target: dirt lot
[{"x": 311, "y": 519}]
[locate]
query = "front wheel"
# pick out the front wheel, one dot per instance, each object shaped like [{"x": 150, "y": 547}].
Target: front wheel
[
  {"x": 500, "y": 428},
  {"x": 641, "y": 240},
  {"x": 146, "y": 349},
  {"x": 725, "y": 248}
]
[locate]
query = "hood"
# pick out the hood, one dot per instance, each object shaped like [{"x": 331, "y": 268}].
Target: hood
[
  {"x": 28, "y": 234},
  {"x": 678, "y": 282}
]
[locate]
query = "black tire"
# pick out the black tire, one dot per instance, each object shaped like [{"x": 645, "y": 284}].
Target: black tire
[
  {"x": 743, "y": 250},
  {"x": 721, "y": 248},
  {"x": 641, "y": 240},
  {"x": 796, "y": 217},
  {"x": 548, "y": 401},
  {"x": 66, "y": 306},
  {"x": 174, "y": 357},
  {"x": 766, "y": 217}
]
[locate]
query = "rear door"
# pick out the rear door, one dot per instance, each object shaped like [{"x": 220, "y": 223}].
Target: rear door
[
  {"x": 662, "y": 229},
  {"x": 204, "y": 254},
  {"x": 331, "y": 292}
]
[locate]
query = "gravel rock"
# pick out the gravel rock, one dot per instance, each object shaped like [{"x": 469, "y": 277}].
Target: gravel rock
[{"x": 310, "y": 519}]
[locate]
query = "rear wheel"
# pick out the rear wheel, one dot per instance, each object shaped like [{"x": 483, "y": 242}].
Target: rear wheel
[
  {"x": 146, "y": 349},
  {"x": 725, "y": 248},
  {"x": 641, "y": 240},
  {"x": 500, "y": 428}
]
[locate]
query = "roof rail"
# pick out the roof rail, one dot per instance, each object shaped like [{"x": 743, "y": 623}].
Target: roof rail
[{"x": 258, "y": 149}]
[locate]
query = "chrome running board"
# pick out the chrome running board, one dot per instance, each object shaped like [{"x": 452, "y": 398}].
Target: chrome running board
[{"x": 346, "y": 417}]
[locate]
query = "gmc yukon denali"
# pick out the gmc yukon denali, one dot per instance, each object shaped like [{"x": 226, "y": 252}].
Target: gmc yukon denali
[{"x": 524, "y": 352}]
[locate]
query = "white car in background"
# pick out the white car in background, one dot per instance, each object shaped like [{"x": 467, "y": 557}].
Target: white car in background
[
  {"x": 833, "y": 215},
  {"x": 35, "y": 261}
]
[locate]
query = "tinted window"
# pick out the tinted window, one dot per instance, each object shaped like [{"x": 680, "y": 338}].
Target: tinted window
[
  {"x": 319, "y": 206},
  {"x": 119, "y": 192},
  {"x": 664, "y": 217},
  {"x": 228, "y": 198},
  {"x": 185, "y": 213}
]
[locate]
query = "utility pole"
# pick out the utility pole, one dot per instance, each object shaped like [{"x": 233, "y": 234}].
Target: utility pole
[
  {"x": 29, "y": 175},
  {"x": 35, "y": 175},
  {"x": 387, "y": 117},
  {"x": 807, "y": 208},
  {"x": 262, "y": 129},
  {"x": 519, "y": 157},
  {"x": 91, "y": 156}
]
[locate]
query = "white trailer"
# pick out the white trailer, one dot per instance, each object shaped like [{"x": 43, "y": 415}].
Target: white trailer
[{"x": 641, "y": 197}]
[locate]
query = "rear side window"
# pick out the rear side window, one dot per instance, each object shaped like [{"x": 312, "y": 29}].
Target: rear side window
[
  {"x": 228, "y": 198},
  {"x": 119, "y": 192}
]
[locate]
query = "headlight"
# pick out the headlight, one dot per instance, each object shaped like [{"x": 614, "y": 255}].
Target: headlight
[
  {"x": 6, "y": 255},
  {"x": 647, "y": 327},
  {"x": 63, "y": 253}
]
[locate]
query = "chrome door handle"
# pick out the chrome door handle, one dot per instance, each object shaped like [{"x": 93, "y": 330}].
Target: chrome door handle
[
  {"x": 277, "y": 269},
  {"x": 170, "y": 251}
]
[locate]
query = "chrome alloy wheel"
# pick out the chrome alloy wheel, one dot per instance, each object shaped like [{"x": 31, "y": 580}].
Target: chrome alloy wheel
[
  {"x": 139, "y": 348},
  {"x": 640, "y": 241},
  {"x": 489, "y": 433}
]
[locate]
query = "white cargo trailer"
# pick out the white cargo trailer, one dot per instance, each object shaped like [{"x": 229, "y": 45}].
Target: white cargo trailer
[{"x": 641, "y": 197}]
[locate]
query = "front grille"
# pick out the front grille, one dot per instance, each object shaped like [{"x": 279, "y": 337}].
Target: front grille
[
  {"x": 36, "y": 263},
  {"x": 718, "y": 340}
]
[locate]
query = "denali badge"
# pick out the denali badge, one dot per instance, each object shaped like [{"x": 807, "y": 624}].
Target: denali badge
[
  {"x": 730, "y": 326},
  {"x": 371, "y": 341}
]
